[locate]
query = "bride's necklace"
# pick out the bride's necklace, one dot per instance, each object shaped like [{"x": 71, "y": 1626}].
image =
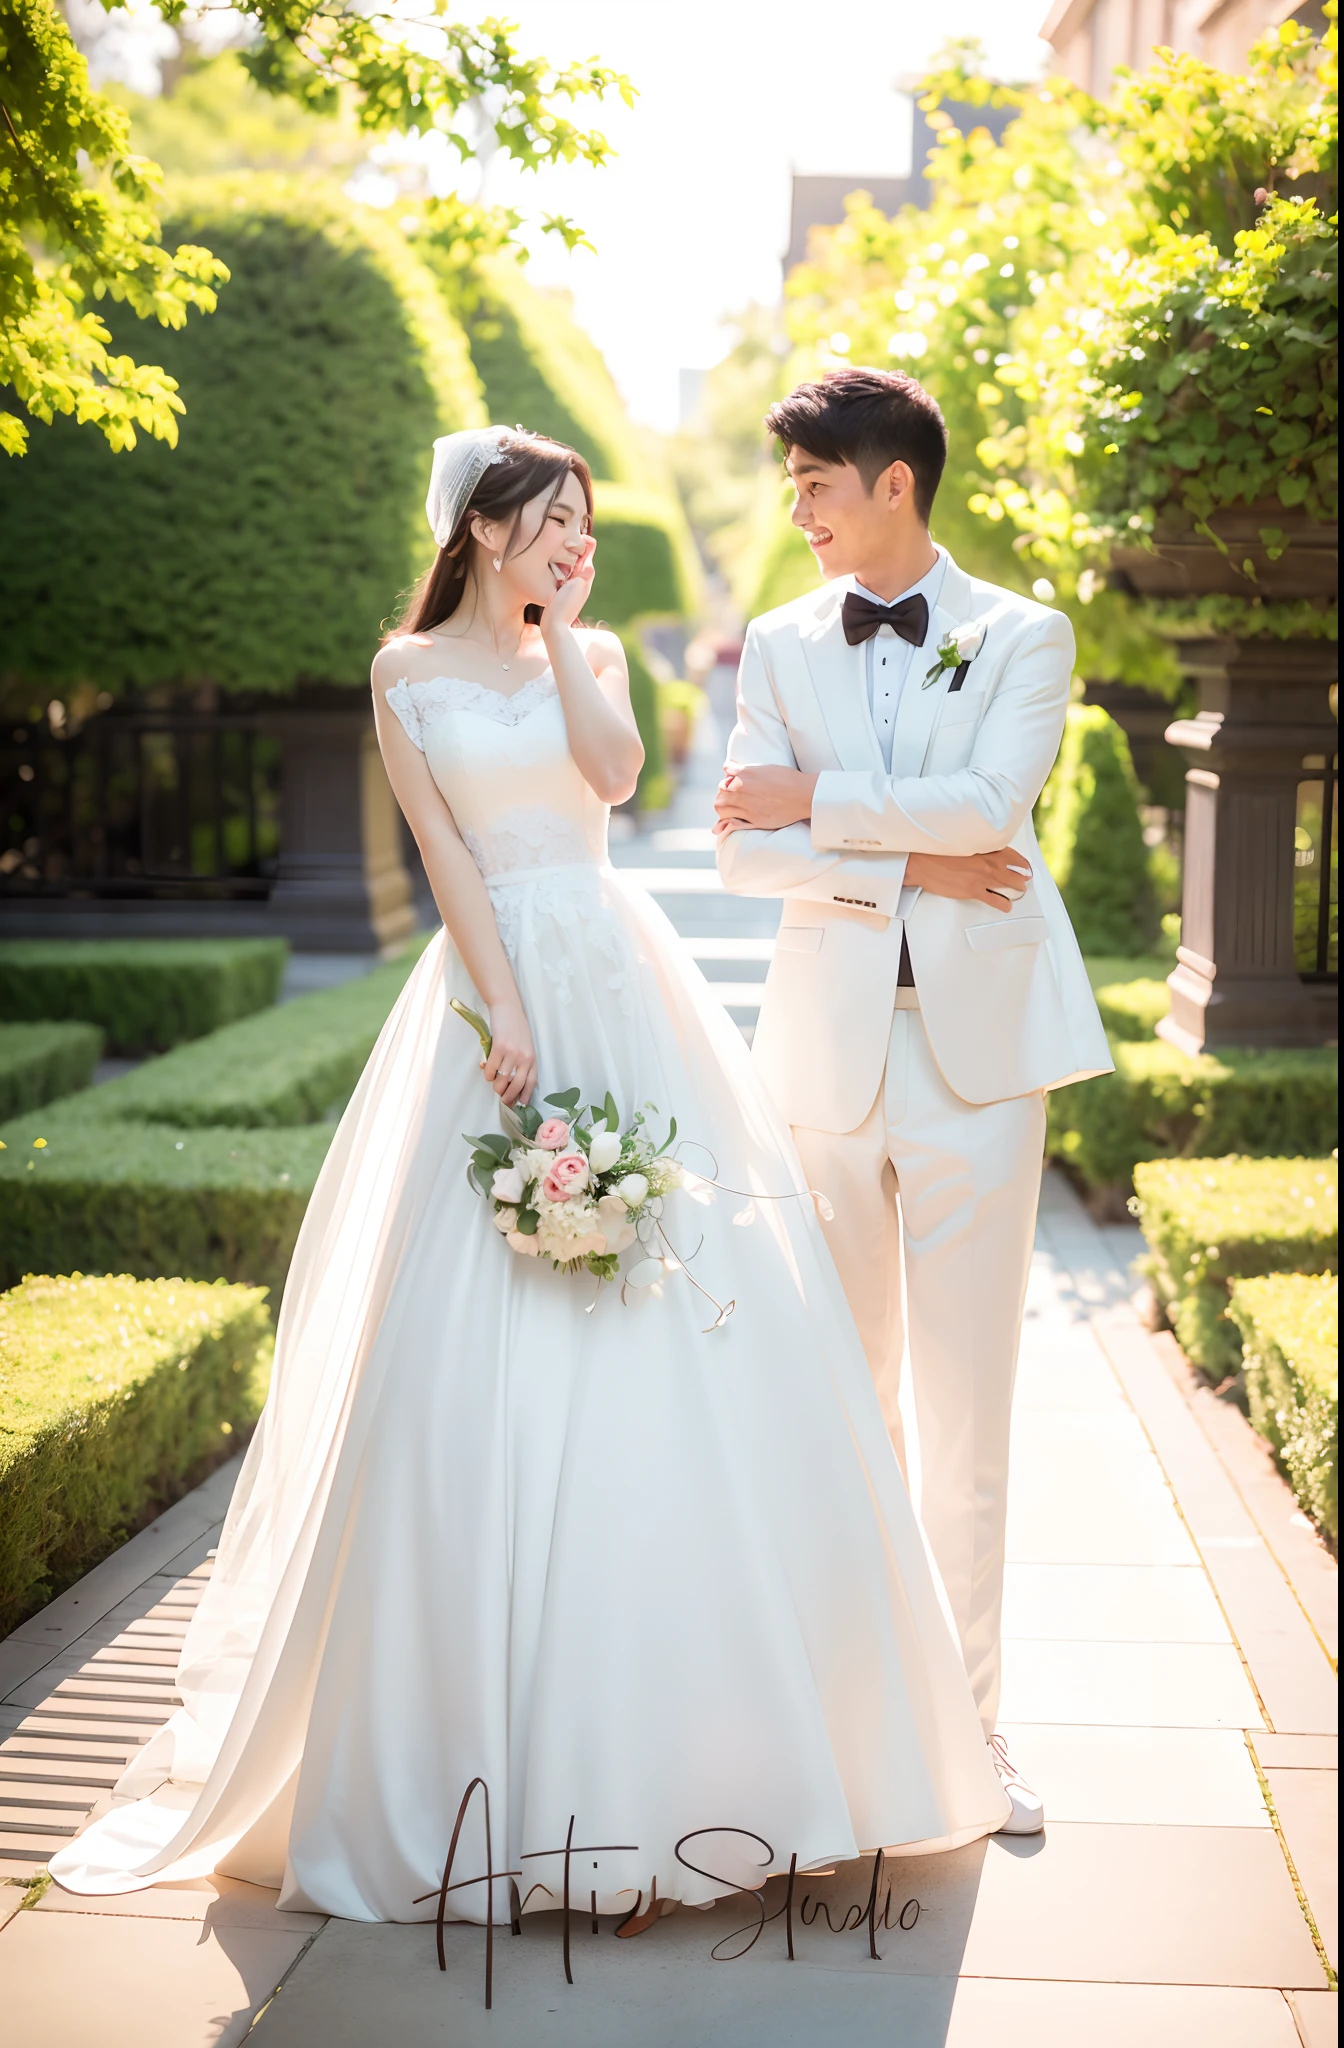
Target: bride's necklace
[{"x": 505, "y": 665}]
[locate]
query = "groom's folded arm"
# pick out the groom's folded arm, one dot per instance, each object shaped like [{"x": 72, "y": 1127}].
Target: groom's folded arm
[
  {"x": 975, "y": 809},
  {"x": 787, "y": 862}
]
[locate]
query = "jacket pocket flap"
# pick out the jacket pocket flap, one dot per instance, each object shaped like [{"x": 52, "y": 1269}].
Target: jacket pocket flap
[
  {"x": 1008, "y": 931},
  {"x": 799, "y": 938}
]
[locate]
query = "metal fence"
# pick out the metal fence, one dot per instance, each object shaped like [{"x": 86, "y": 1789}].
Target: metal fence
[{"x": 139, "y": 801}]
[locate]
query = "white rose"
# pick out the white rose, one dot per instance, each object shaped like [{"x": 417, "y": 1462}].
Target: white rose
[
  {"x": 506, "y": 1220},
  {"x": 517, "y": 1241},
  {"x": 507, "y": 1185},
  {"x": 604, "y": 1149},
  {"x": 968, "y": 640},
  {"x": 632, "y": 1190}
]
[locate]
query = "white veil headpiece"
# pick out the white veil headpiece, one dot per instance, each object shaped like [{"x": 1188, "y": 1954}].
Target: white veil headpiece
[{"x": 460, "y": 461}]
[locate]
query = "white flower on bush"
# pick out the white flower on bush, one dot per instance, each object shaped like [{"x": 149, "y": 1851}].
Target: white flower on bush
[
  {"x": 508, "y": 1185},
  {"x": 633, "y": 1190},
  {"x": 604, "y": 1149},
  {"x": 506, "y": 1219}
]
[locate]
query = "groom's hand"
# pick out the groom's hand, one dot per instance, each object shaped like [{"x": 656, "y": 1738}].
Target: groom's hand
[
  {"x": 762, "y": 799},
  {"x": 997, "y": 879}
]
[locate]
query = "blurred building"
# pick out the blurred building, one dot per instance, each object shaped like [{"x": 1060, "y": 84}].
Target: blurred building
[
  {"x": 818, "y": 201},
  {"x": 1091, "y": 37}
]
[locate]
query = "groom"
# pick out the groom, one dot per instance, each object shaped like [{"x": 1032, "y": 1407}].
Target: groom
[{"x": 894, "y": 730}]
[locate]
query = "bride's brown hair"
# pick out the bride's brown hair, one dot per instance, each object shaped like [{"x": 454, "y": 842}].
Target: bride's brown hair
[{"x": 526, "y": 467}]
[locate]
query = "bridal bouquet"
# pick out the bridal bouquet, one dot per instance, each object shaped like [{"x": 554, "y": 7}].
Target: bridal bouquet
[{"x": 575, "y": 1188}]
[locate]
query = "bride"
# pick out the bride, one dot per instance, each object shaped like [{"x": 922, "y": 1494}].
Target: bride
[{"x": 620, "y": 1568}]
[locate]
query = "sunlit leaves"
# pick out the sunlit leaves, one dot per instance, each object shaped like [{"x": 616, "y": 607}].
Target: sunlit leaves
[{"x": 78, "y": 217}]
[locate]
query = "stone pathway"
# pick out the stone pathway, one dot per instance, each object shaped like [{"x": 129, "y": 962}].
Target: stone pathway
[{"x": 1169, "y": 1687}]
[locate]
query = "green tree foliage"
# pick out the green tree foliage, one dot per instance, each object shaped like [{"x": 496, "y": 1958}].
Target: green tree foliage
[
  {"x": 1092, "y": 838},
  {"x": 1196, "y": 368},
  {"x": 101, "y": 242},
  {"x": 1139, "y": 289},
  {"x": 212, "y": 118},
  {"x": 102, "y": 239},
  {"x": 269, "y": 546},
  {"x": 541, "y": 371}
]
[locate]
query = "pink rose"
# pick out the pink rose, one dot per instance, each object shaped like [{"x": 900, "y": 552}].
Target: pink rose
[
  {"x": 553, "y": 1136},
  {"x": 568, "y": 1176}
]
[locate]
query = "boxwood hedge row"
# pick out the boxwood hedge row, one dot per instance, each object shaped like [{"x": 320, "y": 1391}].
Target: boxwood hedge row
[
  {"x": 38, "y": 1062},
  {"x": 144, "y": 994},
  {"x": 118, "y": 1395}
]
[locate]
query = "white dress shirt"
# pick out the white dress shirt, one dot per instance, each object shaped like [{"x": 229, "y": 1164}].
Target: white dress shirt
[{"x": 890, "y": 661}]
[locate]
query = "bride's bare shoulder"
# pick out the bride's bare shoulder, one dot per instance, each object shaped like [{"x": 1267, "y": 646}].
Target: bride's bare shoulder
[{"x": 398, "y": 657}]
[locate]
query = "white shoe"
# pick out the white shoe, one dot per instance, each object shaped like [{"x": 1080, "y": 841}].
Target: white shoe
[{"x": 1028, "y": 1814}]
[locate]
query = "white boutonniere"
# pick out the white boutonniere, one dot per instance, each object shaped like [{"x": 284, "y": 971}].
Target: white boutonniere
[{"x": 963, "y": 643}]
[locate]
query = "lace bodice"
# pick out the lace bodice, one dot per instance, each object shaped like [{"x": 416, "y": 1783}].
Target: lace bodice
[{"x": 506, "y": 772}]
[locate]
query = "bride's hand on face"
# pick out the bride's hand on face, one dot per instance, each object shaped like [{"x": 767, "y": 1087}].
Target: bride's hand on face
[
  {"x": 511, "y": 1068},
  {"x": 572, "y": 595}
]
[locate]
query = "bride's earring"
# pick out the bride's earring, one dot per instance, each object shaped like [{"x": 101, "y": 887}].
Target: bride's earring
[{"x": 498, "y": 565}]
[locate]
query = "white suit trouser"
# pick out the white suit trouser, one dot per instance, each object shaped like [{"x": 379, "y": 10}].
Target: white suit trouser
[{"x": 967, "y": 1178}]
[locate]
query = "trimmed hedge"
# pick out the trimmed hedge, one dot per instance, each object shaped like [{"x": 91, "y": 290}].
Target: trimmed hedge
[
  {"x": 201, "y": 1162},
  {"x": 116, "y": 1397},
  {"x": 267, "y": 547},
  {"x": 1092, "y": 837},
  {"x": 541, "y": 371},
  {"x": 293, "y": 1065},
  {"x": 1212, "y": 1221},
  {"x": 38, "y": 1062},
  {"x": 645, "y": 567},
  {"x": 1289, "y": 1328},
  {"x": 146, "y": 1199},
  {"x": 654, "y": 790},
  {"x": 146, "y": 994},
  {"x": 1162, "y": 1103},
  {"x": 1132, "y": 1010}
]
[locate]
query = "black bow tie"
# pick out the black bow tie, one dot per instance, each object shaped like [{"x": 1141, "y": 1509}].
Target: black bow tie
[{"x": 908, "y": 618}]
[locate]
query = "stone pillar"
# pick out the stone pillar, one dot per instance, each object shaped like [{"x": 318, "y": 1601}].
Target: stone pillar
[
  {"x": 341, "y": 885},
  {"x": 1264, "y": 708}
]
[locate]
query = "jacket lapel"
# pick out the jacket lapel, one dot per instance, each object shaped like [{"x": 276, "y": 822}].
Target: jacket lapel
[
  {"x": 839, "y": 678},
  {"x": 917, "y": 713}
]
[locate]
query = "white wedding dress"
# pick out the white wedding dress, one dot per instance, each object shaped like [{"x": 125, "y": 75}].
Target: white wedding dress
[{"x": 655, "y": 1579}]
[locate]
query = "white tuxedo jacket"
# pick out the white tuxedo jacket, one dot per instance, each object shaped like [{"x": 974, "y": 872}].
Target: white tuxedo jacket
[{"x": 1005, "y": 998}]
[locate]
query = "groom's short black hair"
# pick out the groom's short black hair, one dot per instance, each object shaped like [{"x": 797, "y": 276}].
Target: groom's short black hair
[{"x": 871, "y": 418}]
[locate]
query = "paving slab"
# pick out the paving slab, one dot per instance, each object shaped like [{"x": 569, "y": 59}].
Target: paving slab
[
  {"x": 1111, "y": 1603},
  {"x": 1136, "y": 1685},
  {"x": 1146, "y": 1777},
  {"x": 215, "y": 1901},
  {"x": 89, "y": 1981},
  {"x": 1141, "y": 1905},
  {"x": 359, "y": 1984},
  {"x": 1307, "y": 1804},
  {"x": 1317, "y": 2015},
  {"x": 1297, "y": 1752},
  {"x": 994, "y": 2013}
]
